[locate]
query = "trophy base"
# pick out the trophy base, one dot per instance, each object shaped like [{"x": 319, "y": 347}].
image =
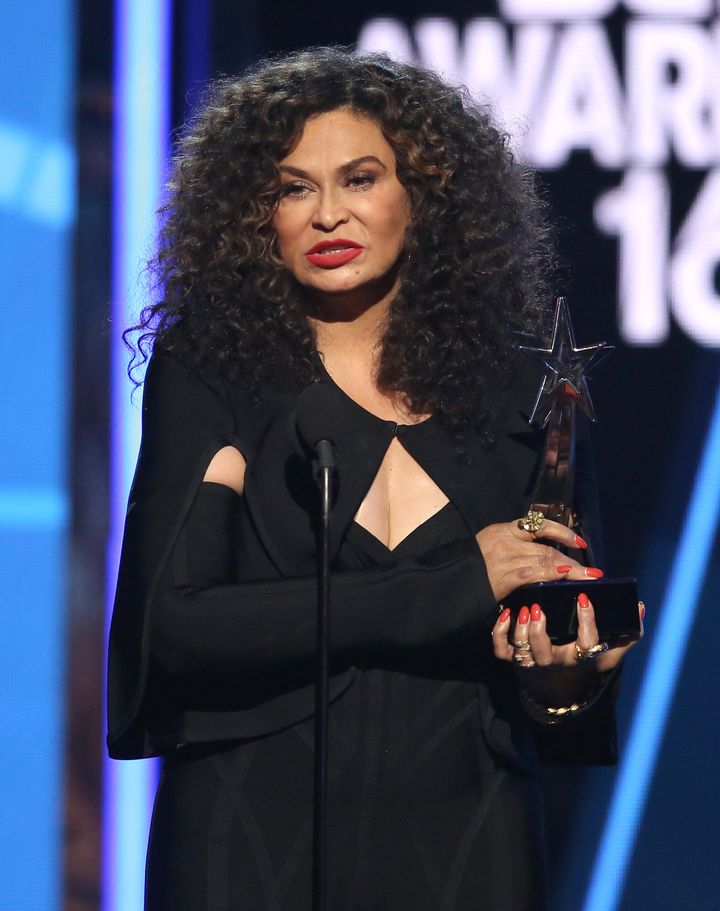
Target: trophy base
[{"x": 615, "y": 602}]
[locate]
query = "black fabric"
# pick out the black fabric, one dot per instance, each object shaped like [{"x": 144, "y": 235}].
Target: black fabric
[
  {"x": 422, "y": 815},
  {"x": 243, "y": 669}
]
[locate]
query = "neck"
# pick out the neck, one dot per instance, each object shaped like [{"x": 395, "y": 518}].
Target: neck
[{"x": 350, "y": 322}]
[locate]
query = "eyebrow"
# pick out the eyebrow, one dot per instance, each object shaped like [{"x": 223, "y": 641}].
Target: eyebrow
[{"x": 343, "y": 169}]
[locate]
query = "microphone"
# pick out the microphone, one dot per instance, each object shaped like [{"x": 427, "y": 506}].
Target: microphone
[{"x": 318, "y": 414}]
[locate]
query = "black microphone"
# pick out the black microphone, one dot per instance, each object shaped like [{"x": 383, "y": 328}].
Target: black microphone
[{"x": 318, "y": 414}]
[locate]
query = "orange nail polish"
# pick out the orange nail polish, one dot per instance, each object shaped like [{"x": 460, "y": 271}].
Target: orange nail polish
[
  {"x": 563, "y": 568},
  {"x": 583, "y": 600},
  {"x": 581, "y": 542},
  {"x": 642, "y": 611},
  {"x": 535, "y": 612},
  {"x": 523, "y": 616},
  {"x": 594, "y": 572},
  {"x": 504, "y": 616}
]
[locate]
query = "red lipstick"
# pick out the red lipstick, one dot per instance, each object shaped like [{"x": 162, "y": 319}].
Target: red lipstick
[{"x": 329, "y": 254}]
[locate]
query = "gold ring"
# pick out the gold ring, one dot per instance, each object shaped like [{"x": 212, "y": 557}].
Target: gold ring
[
  {"x": 532, "y": 522},
  {"x": 520, "y": 659},
  {"x": 587, "y": 654}
]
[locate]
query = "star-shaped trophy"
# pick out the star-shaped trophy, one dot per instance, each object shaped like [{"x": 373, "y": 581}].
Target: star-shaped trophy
[
  {"x": 564, "y": 389},
  {"x": 565, "y": 368}
]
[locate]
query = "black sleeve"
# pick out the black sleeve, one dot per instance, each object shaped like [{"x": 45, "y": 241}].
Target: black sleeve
[
  {"x": 585, "y": 737},
  {"x": 248, "y": 628},
  {"x": 204, "y": 625},
  {"x": 185, "y": 420}
]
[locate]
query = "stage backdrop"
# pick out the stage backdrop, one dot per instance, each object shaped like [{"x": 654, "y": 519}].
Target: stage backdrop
[
  {"x": 36, "y": 218},
  {"x": 617, "y": 105}
]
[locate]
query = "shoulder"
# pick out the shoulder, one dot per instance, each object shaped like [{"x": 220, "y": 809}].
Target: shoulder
[
  {"x": 169, "y": 376},
  {"x": 174, "y": 388},
  {"x": 516, "y": 398},
  {"x": 194, "y": 401},
  {"x": 183, "y": 414}
]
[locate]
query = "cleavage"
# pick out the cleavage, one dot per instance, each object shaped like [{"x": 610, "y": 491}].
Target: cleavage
[{"x": 400, "y": 499}]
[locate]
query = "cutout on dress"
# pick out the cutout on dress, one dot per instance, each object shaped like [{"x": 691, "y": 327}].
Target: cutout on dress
[
  {"x": 227, "y": 467},
  {"x": 401, "y": 498}
]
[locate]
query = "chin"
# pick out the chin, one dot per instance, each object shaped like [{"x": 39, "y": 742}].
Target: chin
[{"x": 338, "y": 285}]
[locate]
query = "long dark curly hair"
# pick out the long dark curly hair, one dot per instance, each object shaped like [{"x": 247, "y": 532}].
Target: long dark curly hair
[{"x": 477, "y": 255}]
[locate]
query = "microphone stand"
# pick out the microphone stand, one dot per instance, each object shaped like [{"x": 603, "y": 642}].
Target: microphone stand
[{"x": 326, "y": 465}]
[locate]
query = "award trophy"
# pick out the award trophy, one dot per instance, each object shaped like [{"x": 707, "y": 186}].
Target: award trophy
[{"x": 562, "y": 391}]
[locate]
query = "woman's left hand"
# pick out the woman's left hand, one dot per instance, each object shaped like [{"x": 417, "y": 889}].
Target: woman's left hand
[{"x": 531, "y": 645}]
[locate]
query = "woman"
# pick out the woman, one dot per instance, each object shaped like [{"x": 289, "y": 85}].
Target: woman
[{"x": 353, "y": 221}]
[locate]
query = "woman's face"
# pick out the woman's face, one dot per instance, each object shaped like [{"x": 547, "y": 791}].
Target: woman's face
[{"x": 343, "y": 213}]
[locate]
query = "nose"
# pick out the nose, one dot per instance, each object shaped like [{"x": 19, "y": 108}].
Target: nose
[{"x": 330, "y": 211}]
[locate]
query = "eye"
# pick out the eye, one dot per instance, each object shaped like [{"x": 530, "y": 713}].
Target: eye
[
  {"x": 362, "y": 180},
  {"x": 294, "y": 190}
]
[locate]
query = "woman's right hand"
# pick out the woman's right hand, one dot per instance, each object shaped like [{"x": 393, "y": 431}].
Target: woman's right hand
[{"x": 516, "y": 557}]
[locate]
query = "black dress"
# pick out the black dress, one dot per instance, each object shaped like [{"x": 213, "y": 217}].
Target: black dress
[
  {"x": 421, "y": 814},
  {"x": 434, "y": 803}
]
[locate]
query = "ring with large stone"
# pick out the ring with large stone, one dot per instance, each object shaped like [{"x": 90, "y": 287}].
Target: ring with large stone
[
  {"x": 532, "y": 522},
  {"x": 589, "y": 654}
]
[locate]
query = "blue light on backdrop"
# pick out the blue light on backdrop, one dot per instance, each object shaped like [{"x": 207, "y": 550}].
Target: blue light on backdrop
[
  {"x": 660, "y": 678},
  {"x": 142, "y": 128},
  {"x": 142, "y": 84},
  {"x": 37, "y": 178},
  {"x": 37, "y": 202}
]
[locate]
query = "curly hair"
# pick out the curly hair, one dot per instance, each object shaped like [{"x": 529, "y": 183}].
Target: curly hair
[{"x": 477, "y": 254}]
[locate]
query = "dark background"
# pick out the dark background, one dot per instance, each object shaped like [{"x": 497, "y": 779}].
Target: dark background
[{"x": 654, "y": 405}]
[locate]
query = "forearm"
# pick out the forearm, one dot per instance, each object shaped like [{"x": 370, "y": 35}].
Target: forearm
[
  {"x": 258, "y": 627},
  {"x": 557, "y": 694}
]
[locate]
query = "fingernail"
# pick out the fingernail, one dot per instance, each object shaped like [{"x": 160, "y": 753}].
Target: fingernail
[
  {"x": 583, "y": 600},
  {"x": 564, "y": 568},
  {"x": 523, "y": 616},
  {"x": 594, "y": 572},
  {"x": 581, "y": 542},
  {"x": 504, "y": 616},
  {"x": 642, "y": 611},
  {"x": 535, "y": 612}
]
